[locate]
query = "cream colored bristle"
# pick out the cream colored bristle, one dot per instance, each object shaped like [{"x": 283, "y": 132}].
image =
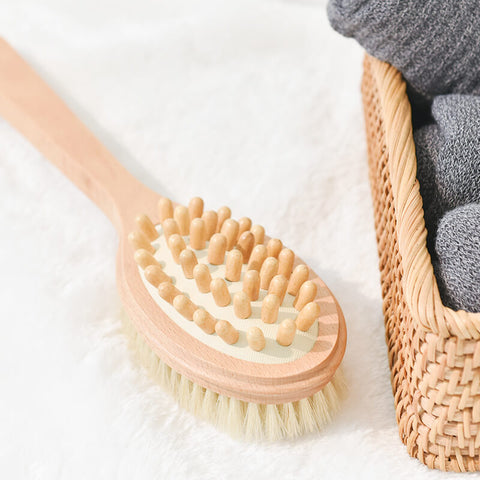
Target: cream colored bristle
[
  {"x": 306, "y": 294},
  {"x": 220, "y": 292},
  {"x": 155, "y": 275},
  {"x": 307, "y": 316},
  {"x": 184, "y": 306},
  {"x": 286, "y": 332},
  {"x": 274, "y": 247},
  {"x": 165, "y": 209},
  {"x": 168, "y": 291},
  {"x": 139, "y": 241},
  {"x": 204, "y": 320},
  {"x": 259, "y": 234},
  {"x": 181, "y": 216},
  {"x": 227, "y": 332},
  {"x": 197, "y": 234},
  {"x": 270, "y": 307},
  {"x": 230, "y": 230},
  {"x": 143, "y": 258},
  {"x": 233, "y": 268},
  {"x": 286, "y": 259},
  {"x": 249, "y": 420},
  {"x": 195, "y": 208},
  {"x": 299, "y": 276},
  {"x": 223, "y": 214},
  {"x": 268, "y": 271},
  {"x": 211, "y": 220},
  {"x": 170, "y": 227},
  {"x": 201, "y": 274},
  {"x": 188, "y": 260},
  {"x": 255, "y": 339},
  {"x": 146, "y": 227},
  {"x": 278, "y": 287},
  {"x": 176, "y": 243},
  {"x": 257, "y": 257},
  {"x": 244, "y": 225},
  {"x": 241, "y": 305},
  {"x": 216, "y": 249},
  {"x": 245, "y": 245}
]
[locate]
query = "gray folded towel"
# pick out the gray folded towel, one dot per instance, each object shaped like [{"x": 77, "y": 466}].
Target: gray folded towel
[
  {"x": 458, "y": 165},
  {"x": 434, "y": 43},
  {"x": 458, "y": 250},
  {"x": 427, "y": 145}
]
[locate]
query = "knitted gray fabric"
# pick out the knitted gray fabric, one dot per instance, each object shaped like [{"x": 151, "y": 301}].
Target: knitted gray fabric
[
  {"x": 427, "y": 145},
  {"x": 458, "y": 166},
  {"x": 434, "y": 43},
  {"x": 458, "y": 251}
]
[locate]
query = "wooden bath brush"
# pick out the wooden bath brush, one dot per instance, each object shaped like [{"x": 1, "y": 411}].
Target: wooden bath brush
[{"x": 240, "y": 330}]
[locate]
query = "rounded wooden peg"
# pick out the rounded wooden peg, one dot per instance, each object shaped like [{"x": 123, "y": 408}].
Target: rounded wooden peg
[
  {"x": 204, "y": 320},
  {"x": 155, "y": 275},
  {"x": 143, "y": 258},
  {"x": 210, "y": 219},
  {"x": 307, "y": 316},
  {"x": 202, "y": 277},
  {"x": 274, "y": 247},
  {"x": 244, "y": 224},
  {"x": 165, "y": 209},
  {"x": 255, "y": 339},
  {"x": 241, "y": 305},
  {"x": 223, "y": 214},
  {"x": 197, "y": 234},
  {"x": 220, "y": 292},
  {"x": 251, "y": 284},
  {"x": 278, "y": 287},
  {"x": 268, "y": 271},
  {"x": 299, "y": 276},
  {"x": 181, "y": 216},
  {"x": 259, "y": 234},
  {"x": 258, "y": 256},
  {"x": 146, "y": 226},
  {"x": 188, "y": 260},
  {"x": 170, "y": 227},
  {"x": 227, "y": 332},
  {"x": 285, "y": 262},
  {"x": 306, "y": 294},
  {"x": 176, "y": 243},
  {"x": 139, "y": 241},
  {"x": 168, "y": 291},
  {"x": 286, "y": 332},
  {"x": 195, "y": 208},
  {"x": 270, "y": 307},
  {"x": 216, "y": 249},
  {"x": 230, "y": 230},
  {"x": 184, "y": 306},
  {"x": 245, "y": 245},
  {"x": 233, "y": 269}
]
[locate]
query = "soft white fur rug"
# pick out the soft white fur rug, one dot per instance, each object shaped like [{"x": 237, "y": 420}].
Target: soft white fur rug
[{"x": 251, "y": 103}]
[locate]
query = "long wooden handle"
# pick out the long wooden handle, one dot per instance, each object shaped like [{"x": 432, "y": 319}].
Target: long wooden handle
[{"x": 31, "y": 107}]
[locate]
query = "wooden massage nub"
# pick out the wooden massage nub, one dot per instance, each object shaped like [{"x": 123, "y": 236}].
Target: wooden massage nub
[{"x": 232, "y": 322}]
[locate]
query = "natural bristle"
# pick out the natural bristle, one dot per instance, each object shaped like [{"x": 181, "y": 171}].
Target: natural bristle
[{"x": 244, "y": 420}]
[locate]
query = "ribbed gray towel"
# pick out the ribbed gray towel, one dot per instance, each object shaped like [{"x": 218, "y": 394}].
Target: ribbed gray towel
[
  {"x": 434, "y": 43},
  {"x": 458, "y": 251}
]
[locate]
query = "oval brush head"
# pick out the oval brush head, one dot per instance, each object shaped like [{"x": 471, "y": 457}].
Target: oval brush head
[{"x": 265, "y": 335}]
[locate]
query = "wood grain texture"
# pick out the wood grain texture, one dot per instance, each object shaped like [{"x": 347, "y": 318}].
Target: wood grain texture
[{"x": 35, "y": 110}]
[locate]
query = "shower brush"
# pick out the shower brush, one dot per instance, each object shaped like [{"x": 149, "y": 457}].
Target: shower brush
[{"x": 232, "y": 322}]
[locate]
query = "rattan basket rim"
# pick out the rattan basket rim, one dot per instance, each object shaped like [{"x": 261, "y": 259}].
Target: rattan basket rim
[{"x": 419, "y": 283}]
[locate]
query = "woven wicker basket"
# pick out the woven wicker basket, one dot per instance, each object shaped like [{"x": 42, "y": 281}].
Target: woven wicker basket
[{"x": 434, "y": 352}]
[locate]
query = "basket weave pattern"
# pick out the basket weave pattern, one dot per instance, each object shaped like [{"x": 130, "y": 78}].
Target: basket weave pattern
[{"x": 434, "y": 352}]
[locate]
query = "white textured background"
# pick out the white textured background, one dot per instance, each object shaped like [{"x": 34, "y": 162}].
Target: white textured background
[{"x": 255, "y": 104}]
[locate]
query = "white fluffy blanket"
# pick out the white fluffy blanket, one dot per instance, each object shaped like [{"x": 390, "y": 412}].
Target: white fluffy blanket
[{"x": 255, "y": 104}]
